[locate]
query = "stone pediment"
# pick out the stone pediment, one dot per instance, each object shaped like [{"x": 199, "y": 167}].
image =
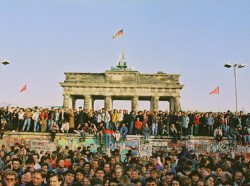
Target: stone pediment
[{"x": 121, "y": 78}]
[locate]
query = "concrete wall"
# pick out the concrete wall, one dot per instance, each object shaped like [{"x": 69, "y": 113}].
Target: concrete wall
[{"x": 41, "y": 141}]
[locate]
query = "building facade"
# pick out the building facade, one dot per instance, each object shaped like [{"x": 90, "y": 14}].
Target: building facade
[{"x": 121, "y": 84}]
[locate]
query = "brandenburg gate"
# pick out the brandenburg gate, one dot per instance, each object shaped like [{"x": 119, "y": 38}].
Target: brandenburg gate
[{"x": 121, "y": 83}]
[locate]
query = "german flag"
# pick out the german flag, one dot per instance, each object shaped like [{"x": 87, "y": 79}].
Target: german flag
[{"x": 118, "y": 34}]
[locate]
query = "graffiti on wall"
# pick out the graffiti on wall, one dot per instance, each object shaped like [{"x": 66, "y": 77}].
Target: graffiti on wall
[
  {"x": 146, "y": 150},
  {"x": 42, "y": 145},
  {"x": 31, "y": 141},
  {"x": 42, "y": 142}
]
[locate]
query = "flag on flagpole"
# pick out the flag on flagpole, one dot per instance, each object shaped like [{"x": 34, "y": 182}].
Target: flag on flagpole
[
  {"x": 215, "y": 91},
  {"x": 118, "y": 34},
  {"x": 23, "y": 88}
]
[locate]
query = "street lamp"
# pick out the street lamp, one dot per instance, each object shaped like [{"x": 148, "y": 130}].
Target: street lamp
[
  {"x": 5, "y": 62},
  {"x": 229, "y": 65}
]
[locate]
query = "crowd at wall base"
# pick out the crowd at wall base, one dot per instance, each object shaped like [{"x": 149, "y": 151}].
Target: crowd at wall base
[
  {"x": 43, "y": 142},
  {"x": 158, "y": 161}
]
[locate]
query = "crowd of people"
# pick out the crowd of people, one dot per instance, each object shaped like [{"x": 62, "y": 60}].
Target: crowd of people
[
  {"x": 21, "y": 165},
  {"x": 234, "y": 126}
]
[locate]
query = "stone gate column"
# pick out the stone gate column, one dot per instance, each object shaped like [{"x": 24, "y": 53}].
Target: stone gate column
[
  {"x": 154, "y": 103},
  {"x": 108, "y": 103},
  {"x": 66, "y": 100},
  {"x": 135, "y": 103},
  {"x": 73, "y": 102},
  {"x": 87, "y": 102},
  {"x": 177, "y": 103},
  {"x": 93, "y": 103},
  {"x": 70, "y": 102},
  {"x": 171, "y": 104}
]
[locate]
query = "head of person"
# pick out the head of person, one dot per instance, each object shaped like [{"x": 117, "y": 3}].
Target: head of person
[
  {"x": 185, "y": 181},
  {"x": 39, "y": 177},
  {"x": 118, "y": 172},
  {"x": 200, "y": 182},
  {"x": 186, "y": 171},
  {"x": 226, "y": 176},
  {"x": 22, "y": 178},
  {"x": 100, "y": 174},
  {"x": 195, "y": 176},
  {"x": 60, "y": 163},
  {"x": 36, "y": 157},
  {"x": 79, "y": 175},
  {"x": 135, "y": 174},
  {"x": 69, "y": 177},
  {"x": 112, "y": 160},
  {"x": 124, "y": 179},
  {"x": 55, "y": 179},
  {"x": 168, "y": 160},
  {"x": 113, "y": 182},
  {"x": 95, "y": 164},
  {"x": 96, "y": 182},
  {"x": 11, "y": 178},
  {"x": 30, "y": 164},
  {"x": 210, "y": 181},
  {"x": 150, "y": 182},
  {"x": 106, "y": 168},
  {"x": 176, "y": 181},
  {"x": 27, "y": 177},
  {"x": 154, "y": 160},
  {"x": 154, "y": 173},
  {"x": 16, "y": 163},
  {"x": 45, "y": 167},
  {"x": 238, "y": 177},
  {"x": 169, "y": 178},
  {"x": 218, "y": 171},
  {"x": 86, "y": 166},
  {"x": 204, "y": 174}
]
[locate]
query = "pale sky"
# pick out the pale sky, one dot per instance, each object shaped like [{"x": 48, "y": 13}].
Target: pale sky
[{"x": 43, "y": 39}]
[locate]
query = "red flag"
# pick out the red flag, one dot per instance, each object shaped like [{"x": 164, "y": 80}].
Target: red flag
[
  {"x": 215, "y": 91},
  {"x": 24, "y": 88}
]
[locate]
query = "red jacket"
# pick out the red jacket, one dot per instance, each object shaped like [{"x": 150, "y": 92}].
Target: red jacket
[
  {"x": 44, "y": 115},
  {"x": 138, "y": 124},
  {"x": 107, "y": 131}
]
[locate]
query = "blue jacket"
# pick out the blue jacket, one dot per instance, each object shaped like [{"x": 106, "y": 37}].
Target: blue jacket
[
  {"x": 210, "y": 121},
  {"x": 124, "y": 130},
  {"x": 184, "y": 121}
]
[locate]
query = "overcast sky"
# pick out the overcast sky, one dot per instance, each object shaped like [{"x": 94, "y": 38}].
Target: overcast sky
[{"x": 44, "y": 39}]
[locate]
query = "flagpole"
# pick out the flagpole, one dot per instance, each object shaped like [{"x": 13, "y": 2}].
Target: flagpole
[
  {"x": 122, "y": 41},
  {"x": 25, "y": 97},
  {"x": 219, "y": 101}
]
